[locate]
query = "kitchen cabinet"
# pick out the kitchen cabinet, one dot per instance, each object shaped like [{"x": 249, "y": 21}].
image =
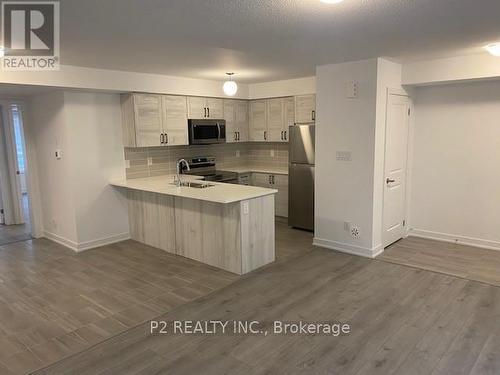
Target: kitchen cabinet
[
  {"x": 278, "y": 182},
  {"x": 275, "y": 120},
  {"x": 200, "y": 108},
  {"x": 236, "y": 116},
  {"x": 305, "y": 109},
  {"x": 289, "y": 112},
  {"x": 257, "y": 130},
  {"x": 142, "y": 120},
  {"x": 280, "y": 115},
  {"x": 175, "y": 128},
  {"x": 154, "y": 120}
]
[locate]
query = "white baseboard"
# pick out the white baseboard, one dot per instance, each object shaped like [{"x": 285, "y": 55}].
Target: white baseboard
[
  {"x": 82, "y": 246},
  {"x": 349, "y": 249},
  {"x": 453, "y": 238},
  {"x": 60, "y": 240}
]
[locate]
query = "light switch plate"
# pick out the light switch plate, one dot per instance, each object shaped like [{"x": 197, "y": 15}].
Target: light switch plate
[{"x": 344, "y": 156}]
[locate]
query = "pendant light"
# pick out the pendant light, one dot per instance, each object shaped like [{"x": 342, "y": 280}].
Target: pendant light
[
  {"x": 493, "y": 49},
  {"x": 230, "y": 87}
]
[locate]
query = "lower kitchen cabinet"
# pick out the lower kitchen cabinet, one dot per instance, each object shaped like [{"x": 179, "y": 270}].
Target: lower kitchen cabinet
[{"x": 278, "y": 182}]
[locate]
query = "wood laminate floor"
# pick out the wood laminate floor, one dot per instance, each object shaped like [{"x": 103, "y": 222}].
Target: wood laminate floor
[
  {"x": 404, "y": 320},
  {"x": 54, "y": 302},
  {"x": 468, "y": 262}
]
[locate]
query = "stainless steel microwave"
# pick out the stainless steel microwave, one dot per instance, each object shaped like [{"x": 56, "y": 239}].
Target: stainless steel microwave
[{"x": 206, "y": 132}]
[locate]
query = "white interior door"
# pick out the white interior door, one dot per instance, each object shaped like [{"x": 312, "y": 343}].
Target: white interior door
[
  {"x": 9, "y": 167},
  {"x": 396, "y": 156}
]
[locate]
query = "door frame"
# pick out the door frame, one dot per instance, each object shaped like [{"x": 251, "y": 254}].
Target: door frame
[
  {"x": 32, "y": 187},
  {"x": 409, "y": 159}
]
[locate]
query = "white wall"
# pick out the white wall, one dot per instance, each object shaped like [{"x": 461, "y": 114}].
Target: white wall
[
  {"x": 456, "y": 163},
  {"x": 47, "y": 127},
  {"x": 111, "y": 80},
  {"x": 344, "y": 190},
  {"x": 472, "y": 67},
  {"x": 289, "y": 87},
  {"x": 78, "y": 207},
  {"x": 94, "y": 122}
]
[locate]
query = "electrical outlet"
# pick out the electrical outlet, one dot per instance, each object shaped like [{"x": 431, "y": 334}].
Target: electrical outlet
[{"x": 355, "y": 232}]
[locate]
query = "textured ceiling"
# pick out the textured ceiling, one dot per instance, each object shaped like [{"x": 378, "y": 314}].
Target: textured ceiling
[{"x": 267, "y": 40}]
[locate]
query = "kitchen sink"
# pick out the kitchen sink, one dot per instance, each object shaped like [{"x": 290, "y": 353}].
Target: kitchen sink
[{"x": 194, "y": 184}]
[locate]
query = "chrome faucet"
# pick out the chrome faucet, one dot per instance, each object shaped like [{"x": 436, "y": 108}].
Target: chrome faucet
[{"x": 178, "y": 170}]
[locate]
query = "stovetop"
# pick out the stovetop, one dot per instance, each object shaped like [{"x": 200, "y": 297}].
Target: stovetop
[{"x": 206, "y": 168}]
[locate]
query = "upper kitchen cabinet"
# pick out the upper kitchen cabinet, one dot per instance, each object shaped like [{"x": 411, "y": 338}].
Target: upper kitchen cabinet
[
  {"x": 305, "y": 109},
  {"x": 236, "y": 116},
  {"x": 275, "y": 120},
  {"x": 289, "y": 112},
  {"x": 154, "y": 120},
  {"x": 142, "y": 120},
  {"x": 175, "y": 128},
  {"x": 200, "y": 108},
  {"x": 257, "y": 130},
  {"x": 280, "y": 115}
]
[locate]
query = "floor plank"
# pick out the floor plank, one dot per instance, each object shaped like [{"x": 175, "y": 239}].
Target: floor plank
[
  {"x": 468, "y": 262},
  {"x": 404, "y": 321}
]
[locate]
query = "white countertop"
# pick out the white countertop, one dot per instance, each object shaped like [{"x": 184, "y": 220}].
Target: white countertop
[
  {"x": 254, "y": 169},
  {"x": 219, "y": 193}
]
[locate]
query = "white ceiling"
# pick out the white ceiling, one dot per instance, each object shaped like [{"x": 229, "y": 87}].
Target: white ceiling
[{"x": 267, "y": 40}]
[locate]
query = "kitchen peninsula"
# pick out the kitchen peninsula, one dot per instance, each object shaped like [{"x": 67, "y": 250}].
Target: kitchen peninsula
[{"x": 224, "y": 225}]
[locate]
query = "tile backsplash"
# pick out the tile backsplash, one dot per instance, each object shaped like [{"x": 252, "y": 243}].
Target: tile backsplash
[{"x": 157, "y": 161}]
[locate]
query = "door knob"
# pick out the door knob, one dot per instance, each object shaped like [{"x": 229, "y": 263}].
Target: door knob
[{"x": 389, "y": 181}]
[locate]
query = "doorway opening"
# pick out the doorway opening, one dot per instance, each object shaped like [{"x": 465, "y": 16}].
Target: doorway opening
[{"x": 15, "y": 223}]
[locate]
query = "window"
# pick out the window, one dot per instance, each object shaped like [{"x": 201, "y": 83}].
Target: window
[{"x": 18, "y": 135}]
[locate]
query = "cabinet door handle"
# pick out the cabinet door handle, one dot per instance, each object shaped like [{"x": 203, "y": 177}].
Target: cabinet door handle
[
  {"x": 208, "y": 111},
  {"x": 205, "y": 112},
  {"x": 238, "y": 136},
  {"x": 161, "y": 138},
  {"x": 282, "y": 135},
  {"x": 265, "y": 135},
  {"x": 285, "y": 134},
  {"x": 273, "y": 179},
  {"x": 313, "y": 115},
  {"x": 166, "y": 138},
  {"x": 270, "y": 179}
]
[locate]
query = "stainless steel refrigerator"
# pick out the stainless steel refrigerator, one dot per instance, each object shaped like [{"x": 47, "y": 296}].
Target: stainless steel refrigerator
[{"x": 301, "y": 177}]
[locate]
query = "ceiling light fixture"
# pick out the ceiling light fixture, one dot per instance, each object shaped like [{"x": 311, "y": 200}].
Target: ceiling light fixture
[
  {"x": 331, "y": 1},
  {"x": 493, "y": 48},
  {"x": 230, "y": 87}
]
